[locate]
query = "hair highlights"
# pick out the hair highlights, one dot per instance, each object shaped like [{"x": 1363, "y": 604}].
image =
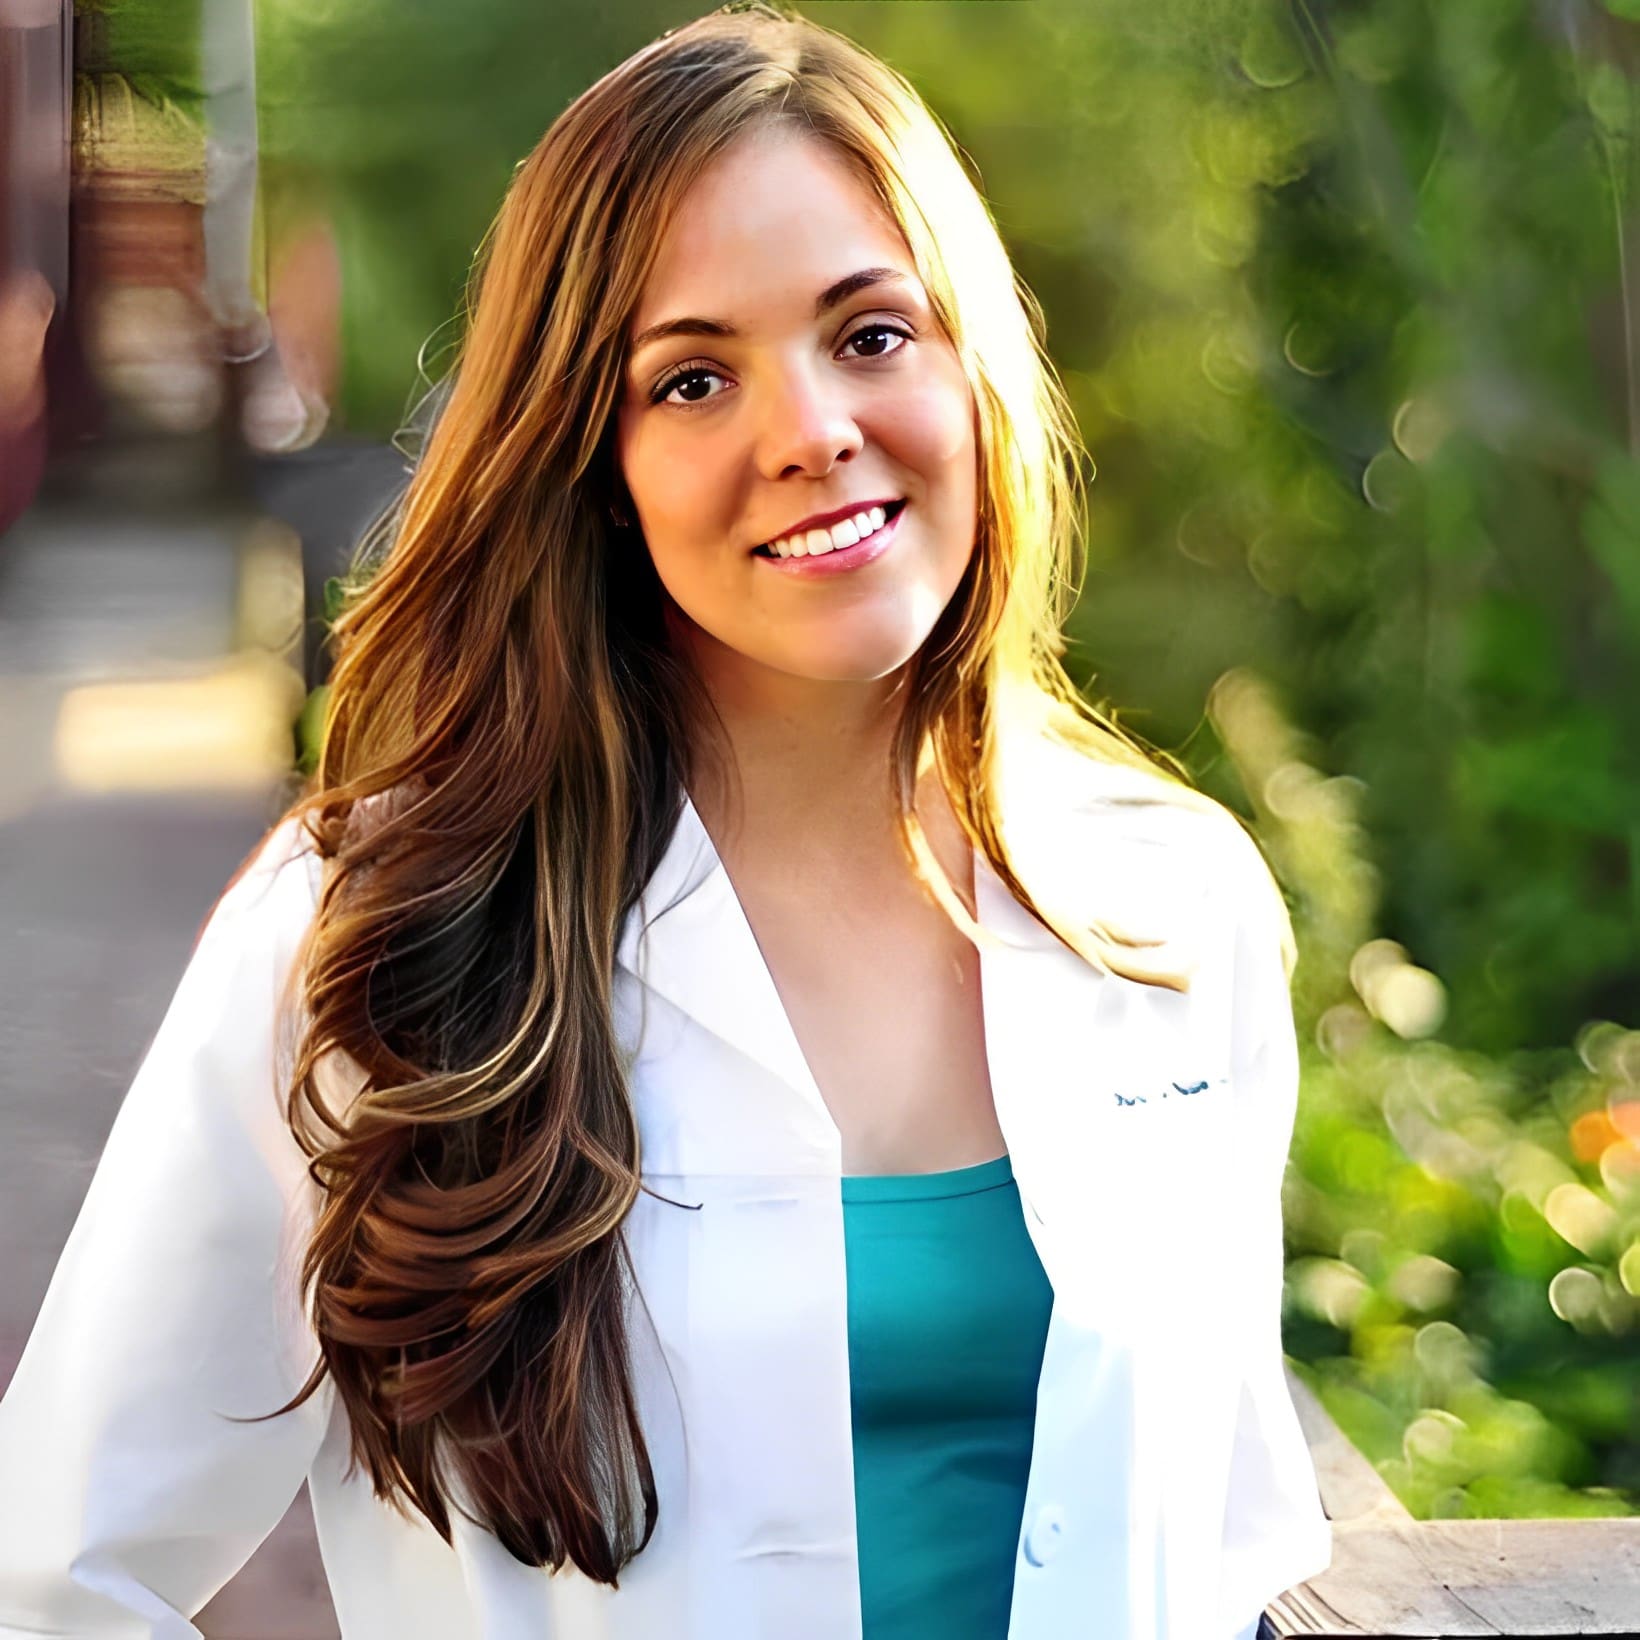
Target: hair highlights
[{"x": 504, "y": 760}]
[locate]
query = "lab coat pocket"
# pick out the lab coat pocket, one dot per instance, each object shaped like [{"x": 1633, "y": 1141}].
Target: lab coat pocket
[{"x": 1170, "y": 1170}]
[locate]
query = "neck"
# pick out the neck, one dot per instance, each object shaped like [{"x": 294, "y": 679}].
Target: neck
[
  {"x": 808, "y": 761},
  {"x": 807, "y": 773}
]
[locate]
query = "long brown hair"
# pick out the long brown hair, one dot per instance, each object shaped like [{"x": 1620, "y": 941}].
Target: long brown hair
[{"x": 506, "y": 751}]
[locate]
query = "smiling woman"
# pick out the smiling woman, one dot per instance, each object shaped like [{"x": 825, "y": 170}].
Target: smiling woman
[
  {"x": 833, "y": 391},
  {"x": 698, "y": 1121}
]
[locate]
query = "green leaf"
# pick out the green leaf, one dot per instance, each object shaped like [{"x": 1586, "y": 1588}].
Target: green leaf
[{"x": 310, "y": 728}]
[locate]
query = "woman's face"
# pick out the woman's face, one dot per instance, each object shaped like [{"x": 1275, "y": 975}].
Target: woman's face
[{"x": 803, "y": 397}]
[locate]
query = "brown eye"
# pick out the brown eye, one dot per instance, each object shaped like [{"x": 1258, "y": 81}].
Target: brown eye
[
  {"x": 692, "y": 371},
  {"x": 879, "y": 330},
  {"x": 697, "y": 370}
]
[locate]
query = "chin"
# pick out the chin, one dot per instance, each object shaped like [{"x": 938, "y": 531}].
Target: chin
[
  {"x": 870, "y": 655},
  {"x": 864, "y": 663}
]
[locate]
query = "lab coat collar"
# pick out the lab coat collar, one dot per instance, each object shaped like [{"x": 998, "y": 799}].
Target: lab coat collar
[{"x": 689, "y": 941}]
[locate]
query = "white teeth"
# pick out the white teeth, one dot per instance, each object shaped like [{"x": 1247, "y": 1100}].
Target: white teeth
[{"x": 845, "y": 533}]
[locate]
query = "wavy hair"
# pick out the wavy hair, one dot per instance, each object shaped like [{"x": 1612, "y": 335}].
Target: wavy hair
[{"x": 507, "y": 745}]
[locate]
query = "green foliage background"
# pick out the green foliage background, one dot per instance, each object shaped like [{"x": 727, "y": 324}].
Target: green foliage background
[{"x": 1345, "y": 297}]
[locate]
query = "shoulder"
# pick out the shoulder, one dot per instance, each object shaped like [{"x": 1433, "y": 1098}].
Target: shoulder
[
  {"x": 1136, "y": 805},
  {"x": 1153, "y": 842},
  {"x": 285, "y": 873},
  {"x": 238, "y": 997},
  {"x": 274, "y": 894}
]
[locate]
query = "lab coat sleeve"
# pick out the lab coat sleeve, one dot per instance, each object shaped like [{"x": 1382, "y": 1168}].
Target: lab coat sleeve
[
  {"x": 1275, "y": 1531},
  {"x": 127, "y": 1497}
]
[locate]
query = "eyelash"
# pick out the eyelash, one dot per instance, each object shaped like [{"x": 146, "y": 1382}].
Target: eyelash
[{"x": 697, "y": 367}]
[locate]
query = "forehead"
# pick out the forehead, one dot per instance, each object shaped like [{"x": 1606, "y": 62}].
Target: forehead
[{"x": 772, "y": 220}]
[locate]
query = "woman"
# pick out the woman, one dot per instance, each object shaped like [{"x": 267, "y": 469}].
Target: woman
[{"x": 766, "y": 1065}]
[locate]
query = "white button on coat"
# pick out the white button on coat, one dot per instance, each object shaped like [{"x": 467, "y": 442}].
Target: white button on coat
[{"x": 1169, "y": 1489}]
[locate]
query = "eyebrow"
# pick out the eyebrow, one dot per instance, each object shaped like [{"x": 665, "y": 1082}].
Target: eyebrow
[{"x": 829, "y": 298}]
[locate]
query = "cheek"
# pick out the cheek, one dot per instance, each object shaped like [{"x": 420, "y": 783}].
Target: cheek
[
  {"x": 691, "y": 567},
  {"x": 679, "y": 491},
  {"x": 934, "y": 435}
]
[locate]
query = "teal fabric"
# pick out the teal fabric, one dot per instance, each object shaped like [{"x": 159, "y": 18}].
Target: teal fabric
[{"x": 947, "y": 1318}]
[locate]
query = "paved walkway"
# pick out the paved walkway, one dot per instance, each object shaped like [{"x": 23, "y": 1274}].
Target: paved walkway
[{"x": 101, "y": 894}]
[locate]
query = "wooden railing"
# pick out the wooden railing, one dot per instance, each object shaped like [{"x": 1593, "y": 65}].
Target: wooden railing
[{"x": 1393, "y": 1576}]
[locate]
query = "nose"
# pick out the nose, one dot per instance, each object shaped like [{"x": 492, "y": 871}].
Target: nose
[{"x": 807, "y": 425}]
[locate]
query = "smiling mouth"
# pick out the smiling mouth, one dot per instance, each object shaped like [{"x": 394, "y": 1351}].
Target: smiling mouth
[{"x": 890, "y": 513}]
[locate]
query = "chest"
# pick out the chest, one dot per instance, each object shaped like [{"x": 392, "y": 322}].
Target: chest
[
  {"x": 1131, "y": 1192},
  {"x": 883, "y": 995},
  {"x": 739, "y": 1252}
]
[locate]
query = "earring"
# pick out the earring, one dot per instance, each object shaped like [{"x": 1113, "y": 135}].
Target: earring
[{"x": 618, "y": 515}]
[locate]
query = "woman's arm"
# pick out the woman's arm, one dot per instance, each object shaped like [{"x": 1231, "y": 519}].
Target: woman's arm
[{"x": 127, "y": 1497}]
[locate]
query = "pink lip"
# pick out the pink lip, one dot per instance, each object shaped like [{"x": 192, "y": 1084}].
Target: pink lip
[{"x": 840, "y": 560}]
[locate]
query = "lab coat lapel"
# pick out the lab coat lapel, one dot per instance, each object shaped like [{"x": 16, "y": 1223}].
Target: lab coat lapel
[
  {"x": 1122, "y": 1175},
  {"x": 1084, "y": 1063},
  {"x": 1047, "y": 1014},
  {"x": 688, "y": 940}
]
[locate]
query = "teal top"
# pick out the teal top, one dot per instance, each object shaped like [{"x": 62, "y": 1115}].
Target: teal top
[{"x": 947, "y": 1318}]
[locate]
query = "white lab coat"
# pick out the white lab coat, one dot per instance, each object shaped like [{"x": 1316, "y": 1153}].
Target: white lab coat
[{"x": 1170, "y": 1494}]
